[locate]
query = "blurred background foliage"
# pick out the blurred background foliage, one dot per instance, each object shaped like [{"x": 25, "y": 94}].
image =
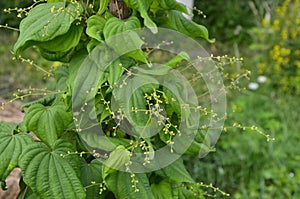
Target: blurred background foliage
[
  {"x": 266, "y": 34},
  {"x": 16, "y": 74},
  {"x": 10, "y": 18}
]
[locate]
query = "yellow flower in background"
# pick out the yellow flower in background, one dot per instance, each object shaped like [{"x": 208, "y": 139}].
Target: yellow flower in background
[
  {"x": 261, "y": 68},
  {"x": 297, "y": 20},
  {"x": 281, "y": 34},
  {"x": 297, "y": 63},
  {"x": 284, "y": 34},
  {"x": 265, "y": 22},
  {"x": 275, "y": 25},
  {"x": 285, "y": 51}
]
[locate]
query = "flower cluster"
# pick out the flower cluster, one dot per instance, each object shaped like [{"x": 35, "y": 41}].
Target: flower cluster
[{"x": 279, "y": 56}]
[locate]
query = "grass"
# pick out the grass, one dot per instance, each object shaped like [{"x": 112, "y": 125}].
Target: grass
[{"x": 245, "y": 164}]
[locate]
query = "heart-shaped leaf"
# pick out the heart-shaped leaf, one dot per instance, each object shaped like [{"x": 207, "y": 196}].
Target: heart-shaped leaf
[
  {"x": 48, "y": 173},
  {"x": 48, "y": 123},
  {"x": 63, "y": 43},
  {"x": 173, "y": 5},
  {"x": 102, "y": 7},
  {"x": 45, "y": 22},
  {"x": 11, "y": 147},
  {"x": 95, "y": 26},
  {"x": 178, "y": 22},
  {"x": 118, "y": 36}
]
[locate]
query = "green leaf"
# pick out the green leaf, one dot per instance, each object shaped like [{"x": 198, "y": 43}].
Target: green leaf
[
  {"x": 46, "y": 101},
  {"x": 116, "y": 26},
  {"x": 101, "y": 111},
  {"x": 91, "y": 174},
  {"x": 103, "y": 6},
  {"x": 176, "y": 172},
  {"x": 184, "y": 193},
  {"x": 198, "y": 146},
  {"x": 48, "y": 123},
  {"x": 48, "y": 174},
  {"x": 95, "y": 26},
  {"x": 65, "y": 42},
  {"x": 117, "y": 159},
  {"x": 91, "y": 45},
  {"x": 115, "y": 71},
  {"x": 120, "y": 183},
  {"x": 96, "y": 141},
  {"x": 176, "y": 21},
  {"x": 62, "y": 56},
  {"x": 45, "y": 22},
  {"x": 163, "y": 190},
  {"x": 119, "y": 37},
  {"x": 134, "y": 98},
  {"x": 155, "y": 70},
  {"x": 74, "y": 67},
  {"x": 182, "y": 56},
  {"x": 11, "y": 147},
  {"x": 61, "y": 48},
  {"x": 173, "y": 5},
  {"x": 92, "y": 67},
  {"x": 61, "y": 75},
  {"x": 143, "y": 6}
]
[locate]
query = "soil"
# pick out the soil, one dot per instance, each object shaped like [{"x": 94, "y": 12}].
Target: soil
[{"x": 11, "y": 113}]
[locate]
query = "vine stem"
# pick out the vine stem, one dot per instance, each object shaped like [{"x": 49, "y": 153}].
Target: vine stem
[
  {"x": 9, "y": 28},
  {"x": 119, "y": 9}
]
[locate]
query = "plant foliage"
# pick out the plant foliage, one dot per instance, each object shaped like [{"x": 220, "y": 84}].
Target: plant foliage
[{"x": 58, "y": 164}]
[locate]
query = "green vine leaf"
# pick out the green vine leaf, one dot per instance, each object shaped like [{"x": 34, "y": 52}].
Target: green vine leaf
[
  {"x": 74, "y": 67},
  {"x": 173, "y": 5},
  {"x": 163, "y": 190},
  {"x": 61, "y": 75},
  {"x": 46, "y": 101},
  {"x": 129, "y": 42},
  {"x": 45, "y": 22},
  {"x": 65, "y": 42},
  {"x": 95, "y": 26},
  {"x": 91, "y": 174},
  {"x": 103, "y": 6},
  {"x": 48, "y": 123},
  {"x": 140, "y": 85},
  {"x": 48, "y": 174},
  {"x": 143, "y": 6},
  {"x": 115, "y": 71},
  {"x": 116, "y": 26},
  {"x": 176, "y": 172},
  {"x": 156, "y": 70},
  {"x": 176, "y": 21},
  {"x": 182, "y": 56},
  {"x": 56, "y": 55},
  {"x": 117, "y": 159},
  {"x": 11, "y": 147},
  {"x": 120, "y": 183}
]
